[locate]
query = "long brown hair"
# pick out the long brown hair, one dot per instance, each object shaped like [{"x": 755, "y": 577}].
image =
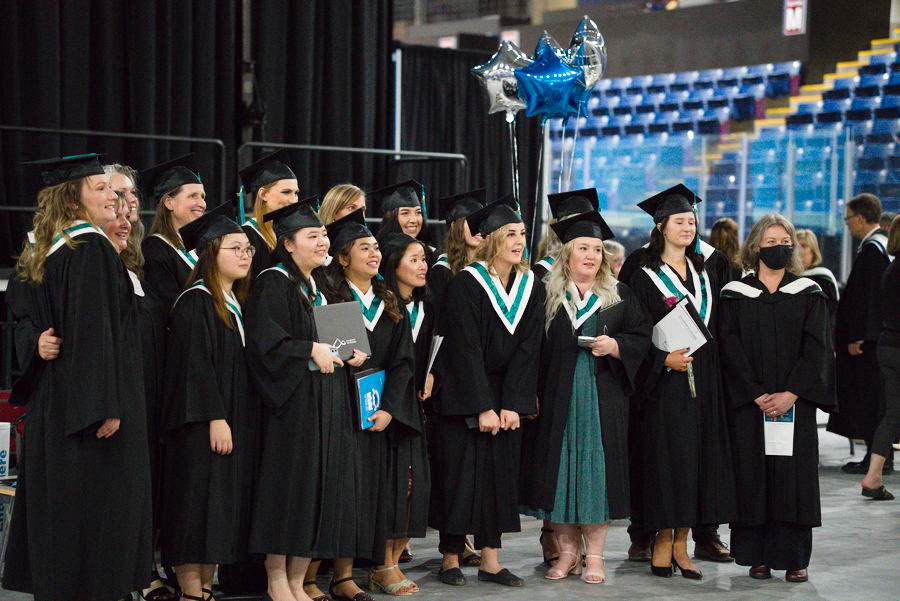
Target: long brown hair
[
  {"x": 57, "y": 207},
  {"x": 340, "y": 289},
  {"x": 260, "y": 209},
  {"x": 489, "y": 249},
  {"x": 207, "y": 269},
  {"x": 652, "y": 258},
  {"x": 457, "y": 249},
  {"x": 162, "y": 221},
  {"x": 724, "y": 238}
]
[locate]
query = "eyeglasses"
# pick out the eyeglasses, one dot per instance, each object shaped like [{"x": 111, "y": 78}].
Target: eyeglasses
[
  {"x": 239, "y": 251},
  {"x": 848, "y": 218}
]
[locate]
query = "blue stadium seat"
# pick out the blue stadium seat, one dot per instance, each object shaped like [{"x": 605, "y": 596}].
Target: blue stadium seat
[
  {"x": 664, "y": 79},
  {"x": 846, "y": 82},
  {"x": 687, "y": 77},
  {"x": 709, "y": 126},
  {"x": 812, "y": 107},
  {"x": 865, "y": 103},
  {"x": 875, "y": 68},
  {"x": 743, "y": 107},
  {"x": 885, "y": 58},
  {"x": 866, "y": 92},
  {"x": 658, "y": 128},
  {"x": 642, "y": 109},
  {"x": 799, "y": 121},
  {"x": 838, "y": 106},
  {"x": 877, "y": 79},
  {"x": 635, "y": 129},
  {"x": 838, "y": 94},
  {"x": 860, "y": 114}
]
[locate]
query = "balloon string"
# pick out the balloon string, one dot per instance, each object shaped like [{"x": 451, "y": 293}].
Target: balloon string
[
  {"x": 572, "y": 157},
  {"x": 538, "y": 205},
  {"x": 514, "y": 159},
  {"x": 562, "y": 154}
]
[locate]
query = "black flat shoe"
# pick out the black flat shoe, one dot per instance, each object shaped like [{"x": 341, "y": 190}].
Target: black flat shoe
[
  {"x": 856, "y": 467},
  {"x": 879, "y": 494},
  {"x": 318, "y": 598},
  {"x": 453, "y": 577},
  {"x": 406, "y": 556},
  {"x": 360, "y": 596},
  {"x": 691, "y": 574},
  {"x": 663, "y": 571},
  {"x": 504, "y": 577}
]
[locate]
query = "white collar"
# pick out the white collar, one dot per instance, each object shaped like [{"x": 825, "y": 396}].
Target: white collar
[
  {"x": 136, "y": 283},
  {"x": 509, "y": 306},
  {"x": 416, "y": 317},
  {"x": 365, "y": 298}
]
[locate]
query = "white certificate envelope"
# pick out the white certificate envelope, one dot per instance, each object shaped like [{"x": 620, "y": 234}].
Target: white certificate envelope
[
  {"x": 678, "y": 330},
  {"x": 779, "y": 433}
]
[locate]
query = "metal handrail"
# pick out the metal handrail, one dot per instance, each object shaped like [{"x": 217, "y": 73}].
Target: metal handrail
[
  {"x": 448, "y": 156},
  {"x": 110, "y": 134}
]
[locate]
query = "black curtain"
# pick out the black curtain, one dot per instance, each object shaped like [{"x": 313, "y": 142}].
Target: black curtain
[
  {"x": 324, "y": 72},
  {"x": 165, "y": 67},
  {"x": 444, "y": 109}
]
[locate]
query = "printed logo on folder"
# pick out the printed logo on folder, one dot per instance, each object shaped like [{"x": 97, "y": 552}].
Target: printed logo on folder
[{"x": 369, "y": 387}]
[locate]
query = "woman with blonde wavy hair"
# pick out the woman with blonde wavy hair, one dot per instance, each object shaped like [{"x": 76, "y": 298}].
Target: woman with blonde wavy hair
[
  {"x": 340, "y": 201},
  {"x": 491, "y": 346},
  {"x": 575, "y": 455},
  {"x": 82, "y": 533},
  {"x": 776, "y": 349},
  {"x": 562, "y": 205}
]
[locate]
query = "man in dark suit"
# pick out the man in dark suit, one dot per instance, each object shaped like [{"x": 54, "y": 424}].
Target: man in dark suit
[{"x": 860, "y": 390}]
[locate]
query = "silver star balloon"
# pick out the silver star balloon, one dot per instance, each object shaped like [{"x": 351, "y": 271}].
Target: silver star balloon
[
  {"x": 498, "y": 78},
  {"x": 549, "y": 40},
  {"x": 588, "y": 53}
]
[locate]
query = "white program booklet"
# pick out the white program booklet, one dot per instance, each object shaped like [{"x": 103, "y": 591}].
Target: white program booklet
[
  {"x": 678, "y": 330},
  {"x": 779, "y": 433}
]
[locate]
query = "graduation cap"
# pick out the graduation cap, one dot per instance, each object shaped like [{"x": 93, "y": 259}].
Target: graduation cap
[
  {"x": 390, "y": 243},
  {"x": 158, "y": 180},
  {"x": 295, "y": 216},
  {"x": 347, "y": 229},
  {"x": 494, "y": 216},
  {"x": 462, "y": 205},
  {"x": 208, "y": 227},
  {"x": 677, "y": 199},
  {"x": 404, "y": 194},
  {"x": 52, "y": 172},
  {"x": 585, "y": 225},
  {"x": 267, "y": 170},
  {"x": 566, "y": 204}
]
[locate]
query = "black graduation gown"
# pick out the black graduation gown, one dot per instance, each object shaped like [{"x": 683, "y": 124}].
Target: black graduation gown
[
  {"x": 687, "y": 475},
  {"x": 165, "y": 271},
  {"x": 826, "y": 281},
  {"x": 485, "y": 367},
  {"x": 776, "y": 342},
  {"x": 438, "y": 277},
  {"x": 398, "y": 453},
  {"x": 305, "y": 500},
  {"x": 717, "y": 265},
  {"x": 147, "y": 336},
  {"x": 540, "y": 269},
  {"x": 860, "y": 389},
  {"x": 262, "y": 259},
  {"x": 206, "y": 497},
  {"x": 615, "y": 379},
  {"x": 82, "y": 525}
]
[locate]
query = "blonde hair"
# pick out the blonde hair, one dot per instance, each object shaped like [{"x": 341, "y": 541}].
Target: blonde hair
[
  {"x": 259, "y": 212},
  {"x": 559, "y": 276},
  {"x": 750, "y": 250},
  {"x": 57, "y": 207},
  {"x": 813, "y": 243},
  {"x": 132, "y": 256},
  {"x": 458, "y": 252},
  {"x": 550, "y": 244},
  {"x": 336, "y": 199},
  {"x": 162, "y": 221},
  {"x": 488, "y": 250}
]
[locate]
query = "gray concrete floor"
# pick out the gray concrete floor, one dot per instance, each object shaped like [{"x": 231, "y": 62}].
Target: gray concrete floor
[{"x": 855, "y": 555}]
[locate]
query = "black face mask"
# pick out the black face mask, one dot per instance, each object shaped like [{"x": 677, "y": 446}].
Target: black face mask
[{"x": 776, "y": 257}]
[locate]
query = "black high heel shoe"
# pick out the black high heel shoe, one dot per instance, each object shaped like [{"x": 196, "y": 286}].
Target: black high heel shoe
[
  {"x": 691, "y": 574},
  {"x": 360, "y": 596},
  {"x": 663, "y": 571}
]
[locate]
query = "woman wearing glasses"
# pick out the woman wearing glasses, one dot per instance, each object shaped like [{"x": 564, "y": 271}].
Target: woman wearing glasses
[{"x": 209, "y": 417}]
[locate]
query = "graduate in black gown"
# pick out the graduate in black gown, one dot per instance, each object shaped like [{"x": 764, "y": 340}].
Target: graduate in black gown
[
  {"x": 492, "y": 343},
  {"x": 385, "y": 480},
  {"x": 687, "y": 478},
  {"x": 779, "y": 360},
  {"x": 147, "y": 348},
  {"x": 82, "y": 527},
  {"x": 404, "y": 268},
  {"x": 209, "y": 417},
  {"x": 403, "y": 211},
  {"x": 706, "y": 538},
  {"x": 307, "y": 432},
  {"x": 174, "y": 188},
  {"x": 813, "y": 269},
  {"x": 562, "y": 205},
  {"x": 860, "y": 383},
  {"x": 574, "y": 455},
  {"x": 270, "y": 184}
]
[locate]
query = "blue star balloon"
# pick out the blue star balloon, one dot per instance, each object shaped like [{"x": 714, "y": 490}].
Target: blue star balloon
[{"x": 546, "y": 85}]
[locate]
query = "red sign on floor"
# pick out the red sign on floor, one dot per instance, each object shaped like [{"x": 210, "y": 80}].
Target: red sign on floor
[{"x": 794, "y": 17}]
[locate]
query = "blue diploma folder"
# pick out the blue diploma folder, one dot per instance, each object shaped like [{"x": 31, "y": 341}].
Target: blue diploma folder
[{"x": 369, "y": 387}]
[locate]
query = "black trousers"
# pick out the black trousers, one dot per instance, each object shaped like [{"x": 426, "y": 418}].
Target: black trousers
[
  {"x": 779, "y": 545},
  {"x": 889, "y": 429}
]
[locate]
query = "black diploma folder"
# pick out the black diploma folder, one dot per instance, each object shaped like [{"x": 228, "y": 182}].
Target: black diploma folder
[{"x": 341, "y": 327}]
